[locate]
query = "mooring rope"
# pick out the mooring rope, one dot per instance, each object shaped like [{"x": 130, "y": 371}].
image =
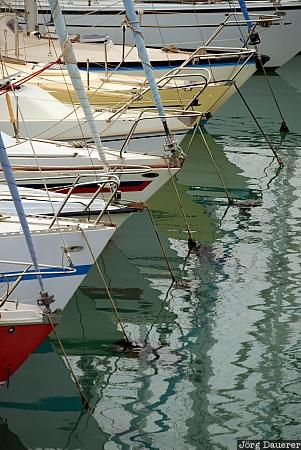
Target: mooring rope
[
  {"x": 191, "y": 241},
  {"x": 230, "y": 199},
  {"x": 173, "y": 284},
  {"x": 107, "y": 289},
  {"x": 283, "y": 127},
  {"x": 160, "y": 242},
  {"x": 85, "y": 401},
  {"x": 279, "y": 160}
]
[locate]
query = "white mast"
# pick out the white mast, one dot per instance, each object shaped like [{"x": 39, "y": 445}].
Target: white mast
[
  {"x": 145, "y": 61},
  {"x": 31, "y": 11},
  {"x": 74, "y": 73}
]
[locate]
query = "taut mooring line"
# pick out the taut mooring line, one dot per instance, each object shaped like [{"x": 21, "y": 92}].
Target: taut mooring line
[
  {"x": 279, "y": 160},
  {"x": 160, "y": 243},
  {"x": 84, "y": 400},
  {"x": 230, "y": 199},
  {"x": 283, "y": 127},
  {"x": 108, "y": 291},
  {"x": 191, "y": 241}
]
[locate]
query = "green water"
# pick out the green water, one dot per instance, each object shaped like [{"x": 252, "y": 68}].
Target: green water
[{"x": 223, "y": 353}]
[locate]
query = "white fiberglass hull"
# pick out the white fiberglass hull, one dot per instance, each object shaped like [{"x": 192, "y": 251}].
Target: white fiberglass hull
[
  {"x": 36, "y": 202},
  {"x": 184, "y": 25},
  {"x": 141, "y": 175},
  {"x": 133, "y": 188},
  {"x": 39, "y": 115},
  {"x": 49, "y": 250},
  {"x": 207, "y": 100},
  {"x": 221, "y": 61},
  {"x": 219, "y": 68}
]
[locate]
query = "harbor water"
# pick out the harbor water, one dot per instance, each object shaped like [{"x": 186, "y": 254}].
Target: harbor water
[{"x": 217, "y": 353}]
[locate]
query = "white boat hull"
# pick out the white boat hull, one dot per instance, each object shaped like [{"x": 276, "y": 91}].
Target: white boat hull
[
  {"x": 141, "y": 175},
  {"x": 49, "y": 251},
  {"x": 133, "y": 188},
  {"x": 184, "y": 25},
  {"x": 39, "y": 115}
]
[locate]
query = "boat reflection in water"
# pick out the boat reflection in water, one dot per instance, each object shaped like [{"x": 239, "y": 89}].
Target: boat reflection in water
[
  {"x": 146, "y": 389},
  {"x": 151, "y": 388},
  {"x": 8, "y": 439},
  {"x": 42, "y": 407},
  {"x": 199, "y": 185}
]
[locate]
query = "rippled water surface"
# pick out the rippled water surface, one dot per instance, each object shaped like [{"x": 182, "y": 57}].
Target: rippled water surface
[{"x": 220, "y": 349}]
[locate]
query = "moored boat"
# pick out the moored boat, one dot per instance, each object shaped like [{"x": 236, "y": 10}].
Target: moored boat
[
  {"x": 200, "y": 81},
  {"x": 45, "y": 117},
  {"x": 83, "y": 209},
  {"x": 35, "y": 266},
  {"x": 186, "y": 25},
  {"x": 63, "y": 251},
  {"x": 187, "y": 87},
  {"x": 141, "y": 175},
  {"x": 44, "y": 258}
]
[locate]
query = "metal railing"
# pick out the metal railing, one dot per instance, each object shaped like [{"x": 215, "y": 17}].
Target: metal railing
[
  {"x": 179, "y": 115},
  {"x": 112, "y": 180},
  {"x": 193, "y": 59}
]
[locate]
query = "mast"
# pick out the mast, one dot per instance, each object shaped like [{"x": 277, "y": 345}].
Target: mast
[
  {"x": 143, "y": 55},
  {"x": 31, "y": 12},
  {"x": 245, "y": 12},
  {"x": 74, "y": 73},
  {"x": 253, "y": 35},
  {"x": 11, "y": 183}
]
